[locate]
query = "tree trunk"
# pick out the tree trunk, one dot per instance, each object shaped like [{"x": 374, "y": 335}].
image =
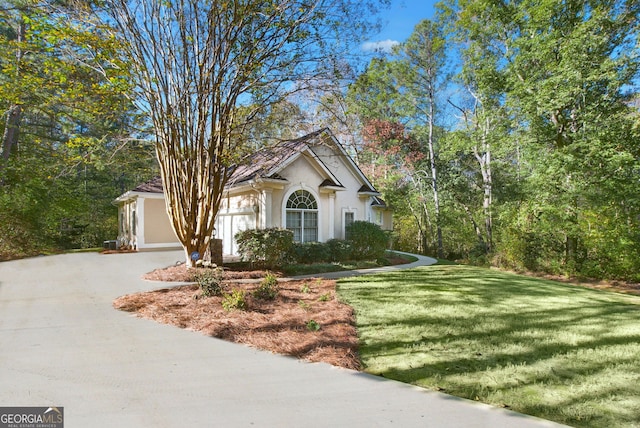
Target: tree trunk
[
  {"x": 14, "y": 113},
  {"x": 484, "y": 161},
  {"x": 11, "y": 130},
  {"x": 434, "y": 174},
  {"x": 476, "y": 228}
]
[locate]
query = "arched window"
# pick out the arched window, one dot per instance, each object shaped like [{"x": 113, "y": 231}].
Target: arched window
[{"x": 302, "y": 216}]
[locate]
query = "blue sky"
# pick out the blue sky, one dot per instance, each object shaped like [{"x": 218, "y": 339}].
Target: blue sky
[{"x": 399, "y": 21}]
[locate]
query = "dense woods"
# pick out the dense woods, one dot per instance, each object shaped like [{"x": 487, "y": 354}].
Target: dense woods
[{"x": 503, "y": 133}]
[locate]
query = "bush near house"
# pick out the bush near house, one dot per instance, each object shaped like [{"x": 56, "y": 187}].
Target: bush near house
[
  {"x": 274, "y": 247},
  {"x": 366, "y": 240},
  {"x": 310, "y": 252},
  {"x": 270, "y": 247}
]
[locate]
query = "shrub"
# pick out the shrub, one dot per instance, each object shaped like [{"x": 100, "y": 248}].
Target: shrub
[
  {"x": 234, "y": 300},
  {"x": 268, "y": 288},
  {"x": 339, "y": 250},
  {"x": 270, "y": 247},
  {"x": 210, "y": 281},
  {"x": 313, "y": 325},
  {"x": 310, "y": 252},
  {"x": 367, "y": 240}
]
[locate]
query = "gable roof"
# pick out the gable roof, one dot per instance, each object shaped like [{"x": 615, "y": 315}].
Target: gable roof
[
  {"x": 152, "y": 186},
  {"x": 268, "y": 162}
]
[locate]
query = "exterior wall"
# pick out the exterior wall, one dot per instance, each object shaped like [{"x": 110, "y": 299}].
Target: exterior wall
[
  {"x": 154, "y": 228},
  {"x": 383, "y": 218},
  {"x": 144, "y": 224},
  {"x": 348, "y": 200},
  {"x": 157, "y": 225},
  {"x": 237, "y": 213}
]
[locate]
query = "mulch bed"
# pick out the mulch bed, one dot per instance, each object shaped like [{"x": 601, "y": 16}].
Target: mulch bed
[{"x": 281, "y": 325}]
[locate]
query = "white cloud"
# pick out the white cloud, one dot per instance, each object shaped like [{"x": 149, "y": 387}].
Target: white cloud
[{"x": 380, "y": 46}]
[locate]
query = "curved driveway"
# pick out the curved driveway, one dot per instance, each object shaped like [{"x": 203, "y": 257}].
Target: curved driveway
[{"x": 62, "y": 344}]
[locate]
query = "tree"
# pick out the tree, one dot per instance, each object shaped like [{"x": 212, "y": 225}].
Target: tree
[
  {"x": 196, "y": 63},
  {"x": 481, "y": 33},
  {"x": 66, "y": 122},
  {"x": 570, "y": 97},
  {"x": 423, "y": 58},
  {"x": 399, "y": 96},
  {"x": 551, "y": 78}
]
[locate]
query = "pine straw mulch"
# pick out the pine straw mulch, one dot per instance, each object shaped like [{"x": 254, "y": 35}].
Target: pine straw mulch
[{"x": 278, "y": 325}]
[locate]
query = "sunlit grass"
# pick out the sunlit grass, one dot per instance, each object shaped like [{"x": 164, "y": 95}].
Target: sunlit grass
[{"x": 557, "y": 351}]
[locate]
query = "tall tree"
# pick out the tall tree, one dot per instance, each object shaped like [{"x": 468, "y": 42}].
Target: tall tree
[
  {"x": 423, "y": 58},
  {"x": 403, "y": 93},
  {"x": 568, "y": 81},
  {"x": 552, "y": 76},
  {"x": 66, "y": 124},
  {"x": 197, "y": 62}
]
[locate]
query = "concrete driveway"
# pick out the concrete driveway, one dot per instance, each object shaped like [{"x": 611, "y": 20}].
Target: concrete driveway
[{"x": 62, "y": 344}]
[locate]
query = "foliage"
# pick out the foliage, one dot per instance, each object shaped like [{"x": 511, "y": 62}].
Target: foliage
[
  {"x": 538, "y": 347},
  {"x": 234, "y": 300},
  {"x": 339, "y": 250},
  {"x": 210, "y": 281},
  {"x": 311, "y": 252},
  {"x": 67, "y": 146},
  {"x": 534, "y": 166},
  {"x": 324, "y": 297},
  {"x": 270, "y": 247},
  {"x": 367, "y": 240},
  {"x": 268, "y": 288},
  {"x": 313, "y": 325}
]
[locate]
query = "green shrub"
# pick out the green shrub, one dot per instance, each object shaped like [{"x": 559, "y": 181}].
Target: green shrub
[
  {"x": 310, "y": 252},
  {"x": 305, "y": 288},
  {"x": 313, "y": 325},
  {"x": 367, "y": 240},
  {"x": 268, "y": 288},
  {"x": 210, "y": 281},
  {"x": 234, "y": 300},
  {"x": 324, "y": 298},
  {"x": 270, "y": 247},
  {"x": 339, "y": 250}
]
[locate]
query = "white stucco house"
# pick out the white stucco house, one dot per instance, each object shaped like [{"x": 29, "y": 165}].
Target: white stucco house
[{"x": 309, "y": 185}]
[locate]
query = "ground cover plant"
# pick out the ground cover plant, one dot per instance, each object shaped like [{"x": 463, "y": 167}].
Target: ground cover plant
[
  {"x": 303, "y": 319},
  {"x": 557, "y": 351}
]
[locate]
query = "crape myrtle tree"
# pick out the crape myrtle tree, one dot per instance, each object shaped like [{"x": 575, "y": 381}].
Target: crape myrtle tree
[{"x": 204, "y": 69}]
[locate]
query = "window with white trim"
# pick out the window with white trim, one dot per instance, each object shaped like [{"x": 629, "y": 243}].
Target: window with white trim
[
  {"x": 349, "y": 217},
  {"x": 302, "y": 216}
]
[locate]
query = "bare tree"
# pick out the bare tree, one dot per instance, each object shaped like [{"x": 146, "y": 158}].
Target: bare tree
[{"x": 206, "y": 68}]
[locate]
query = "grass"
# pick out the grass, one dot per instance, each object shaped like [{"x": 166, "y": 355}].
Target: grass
[
  {"x": 543, "y": 348},
  {"x": 307, "y": 269}
]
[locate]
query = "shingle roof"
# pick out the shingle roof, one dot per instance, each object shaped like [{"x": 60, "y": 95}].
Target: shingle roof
[
  {"x": 261, "y": 163},
  {"x": 264, "y": 163},
  {"x": 152, "y": 186}
]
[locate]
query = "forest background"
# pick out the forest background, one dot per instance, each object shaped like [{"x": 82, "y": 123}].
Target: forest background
[{"x": 500, "y": 133}]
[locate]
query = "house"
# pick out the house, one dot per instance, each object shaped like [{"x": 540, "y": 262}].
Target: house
[{"x": 309, "y": 185}]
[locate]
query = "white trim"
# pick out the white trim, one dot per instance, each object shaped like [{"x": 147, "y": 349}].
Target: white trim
[
  {"x": 160, "y": 246},
  {"x": 351, "y": 163},
  {"x": 332, "y": 210},
  {"x": 342, "y": 219},
  {"x": 285, "y": 199}
]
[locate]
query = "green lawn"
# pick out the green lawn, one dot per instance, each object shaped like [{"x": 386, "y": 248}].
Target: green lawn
[{"x": 543, "y": 348}]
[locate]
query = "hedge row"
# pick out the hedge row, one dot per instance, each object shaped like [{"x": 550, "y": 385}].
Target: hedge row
[{"x": 275, "y": 247}]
